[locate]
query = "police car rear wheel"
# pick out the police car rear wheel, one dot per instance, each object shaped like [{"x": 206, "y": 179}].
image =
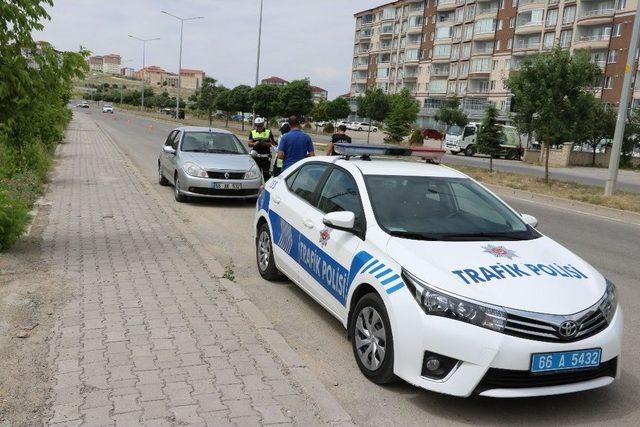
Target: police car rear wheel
[
  {"x": 372, "y": 340},
  {"x": 264, "y": 254}
]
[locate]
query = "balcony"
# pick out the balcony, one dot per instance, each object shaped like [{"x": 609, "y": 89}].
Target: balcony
[
  {"x": 530, "y": 4},
  {"x": 482, "y": 51},
  {"x": 489, "y": 35},
  {"x": 415, "y": 10},
  {"x": 529, "y": 27},
  {"x": 446, "y": 5},
  {"x": 479, "y": 74},
  {"x": 361, "y": 67},
  {"x": 596, "y": 16},
  {"x": 593, "y": 41},
  {"x": 415, "y": 29},
  {"x": 486, "y": 12},
  {"x": 366, "y": 35},
  {"x": 526, "y": 47},
  {"x": 440, "y": 72}
]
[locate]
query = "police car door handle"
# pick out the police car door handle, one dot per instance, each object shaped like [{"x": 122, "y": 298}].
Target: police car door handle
[
  {"x": 276, "y": 199},
  {"x": 308, "y": 223}
]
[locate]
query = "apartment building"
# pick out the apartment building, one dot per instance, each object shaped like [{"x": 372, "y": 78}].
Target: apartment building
[
  {"x": 109, "y": 64},
  {"x": 440, "y": 49},
  {"x": 157, "y": 76}
]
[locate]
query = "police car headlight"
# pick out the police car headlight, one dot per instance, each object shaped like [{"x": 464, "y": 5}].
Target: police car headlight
[
  {"x": 609, "y": 302},
  {"x": 253, "y": 173},
  {"x": 434, "y": 302},
  {"x": 192, "y": 169}
]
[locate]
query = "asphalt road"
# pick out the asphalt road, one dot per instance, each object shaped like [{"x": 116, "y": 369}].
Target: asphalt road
[{"x": 320, "y": 340}]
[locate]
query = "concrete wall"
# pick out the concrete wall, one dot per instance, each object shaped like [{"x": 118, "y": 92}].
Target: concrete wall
[{"x": 565, "y": 156}]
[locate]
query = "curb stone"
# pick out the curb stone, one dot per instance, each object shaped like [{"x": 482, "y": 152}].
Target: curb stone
[{"x": 330, "y": 409}]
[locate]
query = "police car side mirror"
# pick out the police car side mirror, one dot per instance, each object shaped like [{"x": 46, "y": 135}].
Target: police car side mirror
[
  {"x": 343, "y": 221},
  {"x": 531, "y": 220}
]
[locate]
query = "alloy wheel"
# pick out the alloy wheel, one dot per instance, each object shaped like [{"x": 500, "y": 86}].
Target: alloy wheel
[
  {"x": 371, "y": 338},
  {"x": 264, "y": 250}
]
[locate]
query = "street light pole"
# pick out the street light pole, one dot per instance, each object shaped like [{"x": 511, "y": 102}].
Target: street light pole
[
  {"x": 614, "y": 161},
  {"x": 144, "y": 46},
  {"x": 259, "y": 43},
  {"x": 180, "y": 56}
]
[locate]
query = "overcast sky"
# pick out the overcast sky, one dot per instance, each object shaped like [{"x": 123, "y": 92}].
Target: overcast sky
[{"x": 300, "y": 38}]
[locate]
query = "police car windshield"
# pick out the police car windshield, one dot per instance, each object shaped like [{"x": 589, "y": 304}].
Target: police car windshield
[
  {"x": 435, "y": 208},
  {"x": 211, "y": 142}
]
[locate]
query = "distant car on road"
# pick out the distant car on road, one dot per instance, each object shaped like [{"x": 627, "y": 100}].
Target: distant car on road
[
  {"x": 432, "y": 134},
  {"x": 107, "y": 108},
  {"x": 83, "y": 105},
  {"x": 208, "y": 162},
  {"x": 362, "y": 126}
]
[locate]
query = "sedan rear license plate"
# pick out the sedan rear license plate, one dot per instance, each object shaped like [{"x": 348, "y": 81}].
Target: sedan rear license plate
[
  {"x": 565, "y": 360},
  {"x": 223, "y": 186}
]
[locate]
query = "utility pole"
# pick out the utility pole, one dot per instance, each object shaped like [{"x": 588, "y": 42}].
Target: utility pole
[
  {"x": 180, "y": 56},
  {"x": 144, "y": 45},
  {"x": 259, "y": 43},
  {"x": 614, "y": 161}
]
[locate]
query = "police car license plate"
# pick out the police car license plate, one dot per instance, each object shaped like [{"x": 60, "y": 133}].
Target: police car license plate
[
  {"x": 225, "y": 186},
  {"x": 565, "y": 360}
]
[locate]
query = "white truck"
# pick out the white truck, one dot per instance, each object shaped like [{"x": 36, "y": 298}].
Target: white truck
[{"x": 463, "y": 140}]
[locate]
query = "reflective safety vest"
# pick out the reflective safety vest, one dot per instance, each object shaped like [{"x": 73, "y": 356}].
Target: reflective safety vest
[{"x": 260, "y": 136}]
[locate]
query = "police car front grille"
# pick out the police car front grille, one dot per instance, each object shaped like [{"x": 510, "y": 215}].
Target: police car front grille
[
  {"x": 510, "y": 379},
  {"x": 543, "y": 327}
]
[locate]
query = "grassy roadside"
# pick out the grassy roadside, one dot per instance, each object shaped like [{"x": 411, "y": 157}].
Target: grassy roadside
[{"x": 564, "y": 190}]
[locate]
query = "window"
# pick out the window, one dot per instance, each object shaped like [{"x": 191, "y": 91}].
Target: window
[
  {"x": 607, "y": 82},
  {"x": 501, "y": 4},
  {"x": 481, "y": 65},
  {"x": 211, "y": 142},
  {"x": 340, "y": 194},
  {"x": 462, "y": 87},
  {"x": 451, "y": 88},
  {"x": 464, "y": 69},
  {"x": 612, "y": 57},
  {"x": 512, "y": 22},
  {"x": 497, "y": 45},
  {"x": 552, "y": 18},
  {"x": 455, "y": 52},
  {"x": 382, "y": 73},
  {"x": 514, "y": 3},
  {"x": 441, "y": 50},
  {"x": 438, "y": 86},
  {"x": 443, "y": 33},
  {"x": 303, "y": 183},
  {"x": 459, "y": 15},
  {"x": 499, "y": 24},
  {"x": 466, "y": 50},
  {"x": 486, "y": 25},
  {"x": 457, "y": 33},
  {"x": 415, "y": 21},
  {"x": 509, "y": 43},
  {"x": 471, "y": 11},
  {"x": 565, "y": 38},
  {"x": 621, "y": 4},
  {"x": 172, "y": 141},
  {"x": 453, "y": 70},
  {"x": 494, "y": 65},
  {"x": 568, "y": 15},
  {"x": 617, "y": 30},
  {"x": 468, "y": 31},
  {"x": 389, "y": 13},
  {"x": 548, "y": 40}
]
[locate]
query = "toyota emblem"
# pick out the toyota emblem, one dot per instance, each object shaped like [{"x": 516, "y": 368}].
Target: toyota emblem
[
  {"x": 226, "y": 175},
  {"x": 568, "y": 329}
]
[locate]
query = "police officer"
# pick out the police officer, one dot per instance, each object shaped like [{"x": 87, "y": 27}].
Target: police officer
[{"x": 261, "y": 140}]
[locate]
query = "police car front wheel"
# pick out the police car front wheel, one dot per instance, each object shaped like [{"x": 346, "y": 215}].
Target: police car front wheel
[
  {"x": 372, "y": 340},
  {"x": 264, "y": 254}
]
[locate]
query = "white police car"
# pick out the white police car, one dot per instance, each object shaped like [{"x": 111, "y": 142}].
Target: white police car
[{"x": 436, "y": 279}]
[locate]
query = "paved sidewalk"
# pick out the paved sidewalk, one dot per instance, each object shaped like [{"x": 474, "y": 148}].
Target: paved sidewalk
[{"x": 150, "y": 335}]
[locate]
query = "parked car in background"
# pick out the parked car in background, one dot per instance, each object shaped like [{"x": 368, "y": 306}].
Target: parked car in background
[
  {"x": 323, "y": 123},
  {"x": 83, "y": 105},
  {"x": 432, "y": 134},
  {"x": 362, "y": 126},
  {"x": 342, "y": 123},
  {"x": 107, "y": 108}
]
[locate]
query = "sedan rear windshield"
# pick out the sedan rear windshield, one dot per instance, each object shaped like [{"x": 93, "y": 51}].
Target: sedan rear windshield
[
  {"x": 434, "y": 208},
  {"x": 212, "y": 142}
]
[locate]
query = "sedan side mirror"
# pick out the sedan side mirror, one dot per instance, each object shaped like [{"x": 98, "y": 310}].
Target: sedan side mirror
[
  {"x": 254, "y": 154},
  {"x": 531, "y": 220},
  {"x": 169, "y": 149},
  {"x": 343, "y": 221}
]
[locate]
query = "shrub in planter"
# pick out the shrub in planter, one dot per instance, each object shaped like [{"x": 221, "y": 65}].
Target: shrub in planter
[
  {"x": 329, "y": 128},
  {"x": 416, "y": 138}
]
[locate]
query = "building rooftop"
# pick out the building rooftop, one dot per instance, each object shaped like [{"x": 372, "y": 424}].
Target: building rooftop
[
  {"x": 274, "y": 79},
  {"x": 190, "y": 71},
  {"x": 316, "y": 89}
]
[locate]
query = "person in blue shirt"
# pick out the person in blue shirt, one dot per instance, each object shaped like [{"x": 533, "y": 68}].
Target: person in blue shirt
[{"x": 295, "y": 145}]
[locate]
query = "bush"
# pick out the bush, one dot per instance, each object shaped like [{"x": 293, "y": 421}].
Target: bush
[
  {"x": 416, "y": 138},
  {"x": 307, "y": 126},
  {"x": 14, "y": 217},
  {"x": 329, "y": 128}
]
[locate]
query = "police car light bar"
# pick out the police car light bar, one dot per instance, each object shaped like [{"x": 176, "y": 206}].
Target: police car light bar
[{"x": 366, "y": 150}]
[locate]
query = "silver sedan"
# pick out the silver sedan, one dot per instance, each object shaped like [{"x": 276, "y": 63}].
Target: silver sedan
[{"x": 207, "y": 162}]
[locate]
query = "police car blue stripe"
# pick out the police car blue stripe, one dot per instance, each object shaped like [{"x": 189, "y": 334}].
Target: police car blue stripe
[
  {"x": 378, "y": 267},
  {"x": 390, "y": 279},
  {"x": 395, "y": 288},
  {"x": 371, "y": 264},
  {"x": 384, "y": 273}
]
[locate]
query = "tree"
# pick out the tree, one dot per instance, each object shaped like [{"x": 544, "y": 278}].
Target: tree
[
  {"x": 223, "y": 103},
  {"x": 404, "y": 112},
  {"x": 319, "y": 112},
  {"x": 631, "y": 138},
  {"x": 489, "y": 135},
  {"x": 241, "y": 100},
  {"x": 546, "y": 88},
  {"x": 337, "y": 109},
  {"x": 450, "y": 114},
  {"x": 597, "y": 123},
  {"x": 205, "y": 98},
  {"x": 374, "y": 105},
  {"x": 266, "y": 101},
  {"x": 296, "y": 98}
]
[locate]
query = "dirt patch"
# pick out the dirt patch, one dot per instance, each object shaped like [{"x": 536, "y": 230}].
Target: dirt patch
[{"x": 29, "y": 299}]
